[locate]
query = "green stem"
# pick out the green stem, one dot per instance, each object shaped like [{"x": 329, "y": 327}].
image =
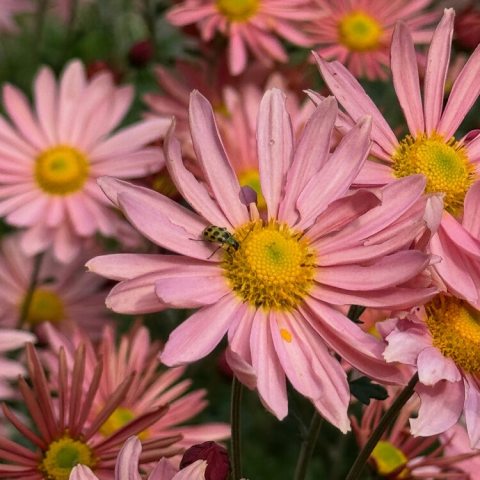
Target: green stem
[
  {"x": 235, "y": 422},
  {"x": 308, "y": 446},
  {"x": 389, "y": 416},
  {"x": 37, "y": 262},
  {"x": 40, "y": 15}
]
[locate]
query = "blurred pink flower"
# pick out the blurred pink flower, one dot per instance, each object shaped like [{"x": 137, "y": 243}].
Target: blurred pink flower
[
  {"x": 451, "y": 166},
  {"x": 456, "y": 442},
  {"x": 397, "y": 455},
  {"x": 152, "y": 386},
  {"x": 442, "y": 341},
  {"x": 127, "y": 464},
  {"x": 50, "y": 158},
  {"x": 249, "y": 25},
  {"x": 10, "y": 369},
  {"x": 10, "y": 8},
  {"x": 275, "y": 286},
  {"x": 358, "y": 33},
  {"x": 65, "y": 295},
  {"x": 61, "y": 437}
]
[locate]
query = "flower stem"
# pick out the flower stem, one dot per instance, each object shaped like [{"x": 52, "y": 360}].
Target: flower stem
[
  {"x": 235, "y": 421},
  {"x": 37, "y": 263},
  {"x": 385, "y": 421},
  {"x": 308, "y": 446}
]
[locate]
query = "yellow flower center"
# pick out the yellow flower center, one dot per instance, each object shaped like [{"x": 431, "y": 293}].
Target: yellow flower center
[
  {"x": 389, "y": 458},
  {"x": 444, "y": 163},
  {"x": 45, "y": 306},
  {"x": 360, "y": 32},
  {"x": 273, "y": 267},
  {"x": 118, "y": 419},
  {"x": 162, "y": 183},
  {"x": 238, "y": 10},
  {"x": 251, "y": 178},
  {"x": 455, "y": 328},
  {"x": 61, "y": 170},
  {"x": 62, "y": 455}
]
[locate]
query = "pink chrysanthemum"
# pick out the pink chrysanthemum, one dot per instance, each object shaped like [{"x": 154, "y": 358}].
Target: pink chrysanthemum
[
  {"x": 128, "y": 460},
  {"x": 62, "y": 438},
  {"x": 358, "y": 33},
  {"x": 64, "y": 296},
  {"x": 50, "y": 158},
  {"x": 136, "y": 356},
  {"x": 10, "y": 8},
  {"x": 442, "y": 341},
  {"x": 248, "y": 24},
  {"x": 451, "y": 166},
  {"x": 397, "y": 455},
  {"x": 276, "y": 284}
]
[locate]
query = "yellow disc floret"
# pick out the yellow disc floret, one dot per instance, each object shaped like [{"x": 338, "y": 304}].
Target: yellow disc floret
[
  {"x": 45, "y": 306},
  {"x": 273, "y": 268},
  {"x": 238, "y": 10},
  {"x": 360, "y": 32},
  {"x": 61, "y": 170},
  {"x": 62, "y": 455},
  {"x": 455, "y": 328},
  {"x": 118, "y": 419},
  {"x": 388, "y": 458},
  {"x": 445, "y": 164}
]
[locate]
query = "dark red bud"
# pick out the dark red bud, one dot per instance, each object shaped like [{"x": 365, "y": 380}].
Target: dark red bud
[
  {"x": 218, "y": 464},
  {"x": 141, "y": 53}
]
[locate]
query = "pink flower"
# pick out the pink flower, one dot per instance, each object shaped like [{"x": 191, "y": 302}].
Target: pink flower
[
  {"x": 65, "y": 296},
  {"x": 451, "y": 166},
  {"x": 10, "y": 8},
  {"x": 442, "y": 342},
  {"x": 358, "y": 33},
  {"x": 275, "y": 285},
  {"x": 62, "y": 438},
  {"x": 152, "y": 386},
  {"x": 457, "y": 443},
  {"x": 10, "y": 369},
  {"x": 126, "y": 467},
  {"x": 249, "y": 25},
  {"x": 50, "y": 158}
]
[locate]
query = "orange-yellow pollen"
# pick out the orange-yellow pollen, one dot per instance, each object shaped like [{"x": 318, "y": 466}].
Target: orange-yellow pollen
[
  {"x": 238, "y": 10},
  {"x": 455, "y": 329},
  {"x": 61, "y": 170},
  {"x": 444, "y": 163},
  {"x": 360, "y": 31},
  {"x": 273, "y": 267}
]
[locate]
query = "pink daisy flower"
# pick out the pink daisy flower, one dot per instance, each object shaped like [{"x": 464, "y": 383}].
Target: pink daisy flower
[
  {"x": 450, "y": 166},
  {"x": 249, "y": 25},
  {"x": 127, "y": 465},
  {"x": 275, "y": 285},
  {"x": 50, "y": 158},
  {"x": 457, "y": 443},
  {"x": 442, "y": 341},
  {"x": 358, "y": 33},
  {"x": 136, "y": 357},
  {"x": 64, "y": 296},
  {"x": 10, "y": 8},
  {"x": 61, "y": 437}
]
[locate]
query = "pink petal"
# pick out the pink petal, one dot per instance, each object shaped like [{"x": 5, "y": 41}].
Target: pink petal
[
  {"x": 163, "y": 470},
  {"x": 406, "y": 79},
  {"x": 192, "y": 290},
  {"x": 389, "y": 271},
  {"x": 271, "y": 383},
  {"x": 82, "y": 472},
  {"x": 472, "y": 406},
  {"x": 190, "y": 188},
  {"x": 471, "y": 211},
  {"x": 441, "y": 406},
  {"x": 197, "y": 336},
  {"x": 13, "y": 339},
  {"x": 214, "y": 162},
  {"x": 45, "y": 89},
  {"x": 406, "y": 344},
  {"x": 334, "y": 179},
  {"x": 126, "y": 467},
  {"x": 436, "y": 71},
  {"x": 195, "y": 471},
  {"x": 362, "y": 350},
  {"x": 434, "y": 367},
  {"x": 237, "y": 53},
  {"x": 463, "y": 95},
  {"x": 274, "y": 147},
  {"x": 374, "y": 173},
  {"x": 310, "y": 155}
]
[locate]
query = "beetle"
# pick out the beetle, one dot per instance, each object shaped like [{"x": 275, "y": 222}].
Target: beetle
[{"x": 220, "y": 235}]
